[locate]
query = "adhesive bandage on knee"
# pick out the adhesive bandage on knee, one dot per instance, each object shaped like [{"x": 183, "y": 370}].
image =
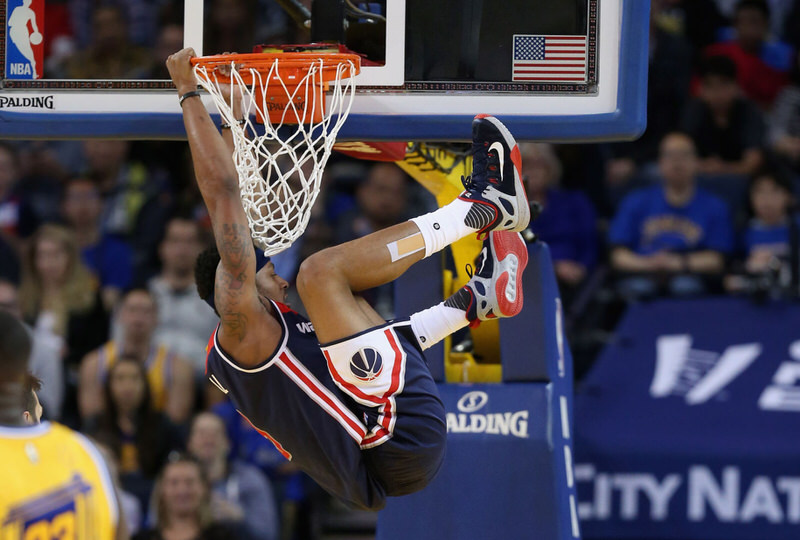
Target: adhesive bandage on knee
[{"x": 400, "y": 249}]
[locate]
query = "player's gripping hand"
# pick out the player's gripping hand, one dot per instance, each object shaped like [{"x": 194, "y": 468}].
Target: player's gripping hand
[{"x": 180, "y": 69}]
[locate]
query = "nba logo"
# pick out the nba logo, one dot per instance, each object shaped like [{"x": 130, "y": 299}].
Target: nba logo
[
  {"x": 366, "y": 365},
  {"x": 24, "y": 42}
]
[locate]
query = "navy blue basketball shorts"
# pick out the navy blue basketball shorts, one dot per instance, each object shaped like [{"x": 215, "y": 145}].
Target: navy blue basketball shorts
[{"x": 362, "y": 416}]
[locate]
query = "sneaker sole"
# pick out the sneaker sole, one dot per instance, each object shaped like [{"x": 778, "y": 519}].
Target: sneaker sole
[
  {"x": 523, "y": 206},
  {"x": 512, "y": 257}
]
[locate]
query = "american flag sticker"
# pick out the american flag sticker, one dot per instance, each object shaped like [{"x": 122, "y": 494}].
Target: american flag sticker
[{"x": 549, "y": 58}]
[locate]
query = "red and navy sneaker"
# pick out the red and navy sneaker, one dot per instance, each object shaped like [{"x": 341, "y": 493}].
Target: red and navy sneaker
[
  {"x": 495, "y": 290},
  {"x": 495, "y": 186}
]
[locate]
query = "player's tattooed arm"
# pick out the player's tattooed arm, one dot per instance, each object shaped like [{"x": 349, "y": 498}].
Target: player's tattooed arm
[
  {"x": 235, "y": 290},
  {"x": 236, "y": 248}
]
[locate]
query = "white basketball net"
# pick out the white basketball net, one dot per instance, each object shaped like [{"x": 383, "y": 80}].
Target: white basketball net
[{"x": 280, "y": 174}]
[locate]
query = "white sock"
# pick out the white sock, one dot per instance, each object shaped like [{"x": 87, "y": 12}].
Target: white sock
[
  {"x": 434, "y": 324},
  {"x": 444, "y": 226}
]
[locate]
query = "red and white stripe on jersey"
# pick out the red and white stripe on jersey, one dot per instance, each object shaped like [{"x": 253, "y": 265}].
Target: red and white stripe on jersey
[
  {"x": 269, "y": 437},
  {"x": 291, "y": 366},
  {"x": 323, "y": 397},
  {"x": 385, "y": 402}
]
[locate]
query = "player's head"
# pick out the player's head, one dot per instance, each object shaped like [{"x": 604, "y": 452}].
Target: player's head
[
  {"x": 33, "y": 408},
  {"x": 182, "y": 492},
  {"x": 677, "y": 159},
  {"x": 268, "y": 282},
  {"x": 208, "y": 439},
  {"x": 15, "y": 348}
]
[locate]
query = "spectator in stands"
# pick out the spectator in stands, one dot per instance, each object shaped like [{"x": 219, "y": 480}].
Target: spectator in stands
[
  {"x": 170, "y": 376},
  {"x": 763, "y": 66},
  {"x": 381, "y": 201},
  {"x": 240, "y": 492},
  {"x": 130, "y": 505},
  {"x": 139, "y": 17},
  {"x": 779, "y": 10},
  {"x": 17, "y": 219},
  {"x": 784, "y": 124},
  {"x": 766, "y": 241},
  {"x": 137, "y": 200},
  {"x": 170, "y": 39},
  {"x": 669, "y": 75},
  {"x": 60, "y": 297},
  {"x": 791, "y": 25},
  {"x": 47, "y": 350},
  {"x": 567, "y": 221},
  {"x": 110, "y": 55},
  {"x": 670, "y": 237},
  {"x": 9, "y": 261},
  {"x": 109, "y": 258},
  {"x": 727, "y": 129},
  {"x": 231, "y": 26},
  {"x": 9, "y": 299},
  {"x": 696, "y": 20},
  {"x": 139, "y": 437},
  {"x": 288, "y": 481},
  {"x": 182, "y": 504},
  {"x": 185, "y": 321}
]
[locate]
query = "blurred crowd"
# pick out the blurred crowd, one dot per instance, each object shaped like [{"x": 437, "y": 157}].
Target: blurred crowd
[{"x": 98, "y": 238}]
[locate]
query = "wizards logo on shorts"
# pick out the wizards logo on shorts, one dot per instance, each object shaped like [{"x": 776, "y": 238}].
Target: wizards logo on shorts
[
  {"x": 366, "y": 365},
  {"x": 24, "y": 39}
]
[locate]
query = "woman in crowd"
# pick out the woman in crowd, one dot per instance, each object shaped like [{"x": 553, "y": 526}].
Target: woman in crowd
[
  {"x": 567, "y": 220},
  {"x": 59, "y": 295},
  {"x": 139, "y": 437},
  {"x": 241, "y": 493},
  {"x": 182, "y": 503}
]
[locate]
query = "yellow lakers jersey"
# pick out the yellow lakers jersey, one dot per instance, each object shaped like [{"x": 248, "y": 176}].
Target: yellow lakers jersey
[
  {"x": 54, "y": 485},
  {"x": 158, "y": 366}
]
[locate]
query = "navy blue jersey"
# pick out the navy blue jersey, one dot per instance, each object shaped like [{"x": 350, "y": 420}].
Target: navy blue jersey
[{"x": 347, "y": 447}]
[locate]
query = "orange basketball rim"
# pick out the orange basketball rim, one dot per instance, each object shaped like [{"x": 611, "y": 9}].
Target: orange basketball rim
[{"x": 276, "y": 78}]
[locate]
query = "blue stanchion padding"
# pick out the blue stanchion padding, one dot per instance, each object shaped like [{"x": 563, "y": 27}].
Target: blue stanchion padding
[
  {"x": 530, "y": 345},
  {"x": 498, "y": 479},
  {"x": 507, "y": 473}
]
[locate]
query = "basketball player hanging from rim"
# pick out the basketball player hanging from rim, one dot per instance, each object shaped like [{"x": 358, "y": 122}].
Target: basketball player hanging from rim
[{"x": 351, "y": 401}]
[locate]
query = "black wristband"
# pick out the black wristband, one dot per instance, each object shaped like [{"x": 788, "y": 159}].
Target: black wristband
[
  {"x": 228, "y": 126},
  {"x": 191, "y": 93}
]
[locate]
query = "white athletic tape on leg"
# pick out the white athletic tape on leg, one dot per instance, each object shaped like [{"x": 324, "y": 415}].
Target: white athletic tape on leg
[{"x": 400, "y": 249}]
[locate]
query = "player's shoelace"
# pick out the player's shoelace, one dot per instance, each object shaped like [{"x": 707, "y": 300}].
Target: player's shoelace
[{"x": 486, "y": 163}]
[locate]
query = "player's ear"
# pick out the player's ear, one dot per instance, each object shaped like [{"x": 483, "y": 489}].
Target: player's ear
[{"x": 26, "y": 416}]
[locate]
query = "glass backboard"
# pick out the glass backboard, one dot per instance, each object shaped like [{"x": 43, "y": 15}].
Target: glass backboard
[{"x": 551, "y": 69}]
